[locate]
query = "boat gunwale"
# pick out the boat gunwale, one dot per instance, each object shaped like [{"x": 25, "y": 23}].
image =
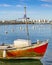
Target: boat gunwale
[{"x": 34, "y": 45}]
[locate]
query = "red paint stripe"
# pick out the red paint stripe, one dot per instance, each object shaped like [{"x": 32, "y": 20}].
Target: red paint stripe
[{"x": 40, "y": 49}]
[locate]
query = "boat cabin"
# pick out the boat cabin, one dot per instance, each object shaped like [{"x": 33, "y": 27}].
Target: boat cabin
[{"x": 21, "y": 43}]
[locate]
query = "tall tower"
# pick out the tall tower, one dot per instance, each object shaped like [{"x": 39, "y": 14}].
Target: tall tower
[{"x": 25, "y": 13}]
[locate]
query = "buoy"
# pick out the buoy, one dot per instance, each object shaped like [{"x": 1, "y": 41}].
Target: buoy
[{"x": 6, "y": 32}]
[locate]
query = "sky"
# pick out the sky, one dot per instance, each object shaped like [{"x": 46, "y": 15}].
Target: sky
[{"x": 36, "y": 9}]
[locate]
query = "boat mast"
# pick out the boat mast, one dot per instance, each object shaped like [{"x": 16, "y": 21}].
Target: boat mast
[{"x": 25, "y": 17}]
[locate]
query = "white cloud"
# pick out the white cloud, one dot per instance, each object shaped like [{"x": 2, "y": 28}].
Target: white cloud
[
  {"x": 47, "y": 0},
  {"x": 19, "y": 5},
  {"x": 46, "y": 5},
  {"x": 8, "y": 5},
  {"x": 5, "y": 5}
]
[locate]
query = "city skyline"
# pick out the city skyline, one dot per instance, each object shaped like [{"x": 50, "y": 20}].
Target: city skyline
[{"x": 36, "y": 9}]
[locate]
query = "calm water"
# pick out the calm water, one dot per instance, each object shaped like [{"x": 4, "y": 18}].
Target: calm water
[{"x": 8, "y": 33}]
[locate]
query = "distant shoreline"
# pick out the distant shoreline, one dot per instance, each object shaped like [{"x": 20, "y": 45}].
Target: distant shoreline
[{"x": 14, "y": 23}]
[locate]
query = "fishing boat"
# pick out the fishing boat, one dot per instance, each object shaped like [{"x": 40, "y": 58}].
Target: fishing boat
[{"x": 24, "y": 49}]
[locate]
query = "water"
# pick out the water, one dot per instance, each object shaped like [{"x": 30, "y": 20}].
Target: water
[{"x": 8, "y": 33}]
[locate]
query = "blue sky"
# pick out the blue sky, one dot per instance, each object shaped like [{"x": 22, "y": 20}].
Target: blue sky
[{"x": 36, "y": 9}]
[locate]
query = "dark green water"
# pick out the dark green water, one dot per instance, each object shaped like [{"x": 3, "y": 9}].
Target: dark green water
[{"x": 20, "y": 62}]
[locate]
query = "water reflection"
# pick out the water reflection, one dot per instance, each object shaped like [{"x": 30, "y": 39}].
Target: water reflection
[{"x": 20, "y": 62}]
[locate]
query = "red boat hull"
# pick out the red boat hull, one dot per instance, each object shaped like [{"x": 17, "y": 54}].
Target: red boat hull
[{"x": 33, "y": 51}]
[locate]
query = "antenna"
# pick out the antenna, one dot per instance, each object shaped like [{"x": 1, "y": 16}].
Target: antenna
[{"x": 25, "y": 12}]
